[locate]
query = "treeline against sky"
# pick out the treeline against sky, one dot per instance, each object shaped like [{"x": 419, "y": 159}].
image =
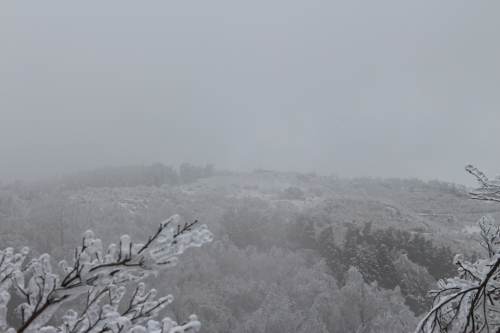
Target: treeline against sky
[{"x": 156, "y": 174}]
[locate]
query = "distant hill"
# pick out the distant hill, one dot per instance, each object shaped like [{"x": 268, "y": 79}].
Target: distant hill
[
  {"x": 439, "y": 210},
  {"x": 397, "y": 232}
]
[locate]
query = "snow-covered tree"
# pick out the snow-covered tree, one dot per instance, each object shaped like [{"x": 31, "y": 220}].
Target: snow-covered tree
[
  {"x": 97, "y": 279},
  {"x": 367, "y": 308},
  {"x": 470, "y": 302}
]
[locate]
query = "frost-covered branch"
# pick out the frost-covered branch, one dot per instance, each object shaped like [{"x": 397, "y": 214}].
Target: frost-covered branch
[
  {"x": 470, "y": 302},
  {"x": 465, "y": 304},
  {"x": 101, "y": 278},
  {"x": 489, "y": 189}
]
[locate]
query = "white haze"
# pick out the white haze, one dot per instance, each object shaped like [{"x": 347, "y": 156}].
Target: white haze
[{"x": 353, "y": 88}]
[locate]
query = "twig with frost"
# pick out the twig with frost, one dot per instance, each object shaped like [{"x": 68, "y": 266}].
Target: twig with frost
[
  {"x": 470, "y": 302},
  {"x": 489, "y": 188},
  {"x": 101, "y": 278}
]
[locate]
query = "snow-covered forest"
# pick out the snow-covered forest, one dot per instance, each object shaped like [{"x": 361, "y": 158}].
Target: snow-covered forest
[
  {"x": 291, "y": 252},
  {"x": 249, "y": 166}
]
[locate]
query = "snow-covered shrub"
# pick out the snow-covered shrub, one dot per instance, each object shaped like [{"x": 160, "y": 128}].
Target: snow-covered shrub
[
  {"x": 97, "y": 280},
  {"x": 293, "y": 193},
  {"x": 470, "y": 302}
]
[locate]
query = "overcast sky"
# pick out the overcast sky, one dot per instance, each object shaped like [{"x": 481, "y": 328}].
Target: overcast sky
[{"x": 353, "y": 88}]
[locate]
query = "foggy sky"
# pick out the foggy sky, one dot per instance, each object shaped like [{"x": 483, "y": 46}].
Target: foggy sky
[{"x": 353, "y": 88}]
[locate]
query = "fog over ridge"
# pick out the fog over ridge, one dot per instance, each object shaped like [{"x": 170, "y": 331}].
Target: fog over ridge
[{"x": 378, "y": 89}]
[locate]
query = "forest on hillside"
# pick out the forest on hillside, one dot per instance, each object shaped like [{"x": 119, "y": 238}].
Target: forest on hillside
[{"x": 291, "y": 252}]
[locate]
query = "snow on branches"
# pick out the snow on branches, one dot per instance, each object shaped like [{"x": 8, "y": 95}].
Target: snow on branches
[
  {"x": 470, "y": 302},
  {"x": 99, "y": 278},
  {"x": 489, "y": 189}
]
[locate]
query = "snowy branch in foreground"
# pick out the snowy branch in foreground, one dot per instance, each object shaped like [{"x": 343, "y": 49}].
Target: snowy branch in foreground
[
  {"x": 469, "y": 302},
  {"x": 99, "y": 278},
  {"x": 489, "y": 188}
]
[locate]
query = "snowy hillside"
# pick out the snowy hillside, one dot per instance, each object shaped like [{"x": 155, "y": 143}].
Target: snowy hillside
[{"x": 287, "y": 246}]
